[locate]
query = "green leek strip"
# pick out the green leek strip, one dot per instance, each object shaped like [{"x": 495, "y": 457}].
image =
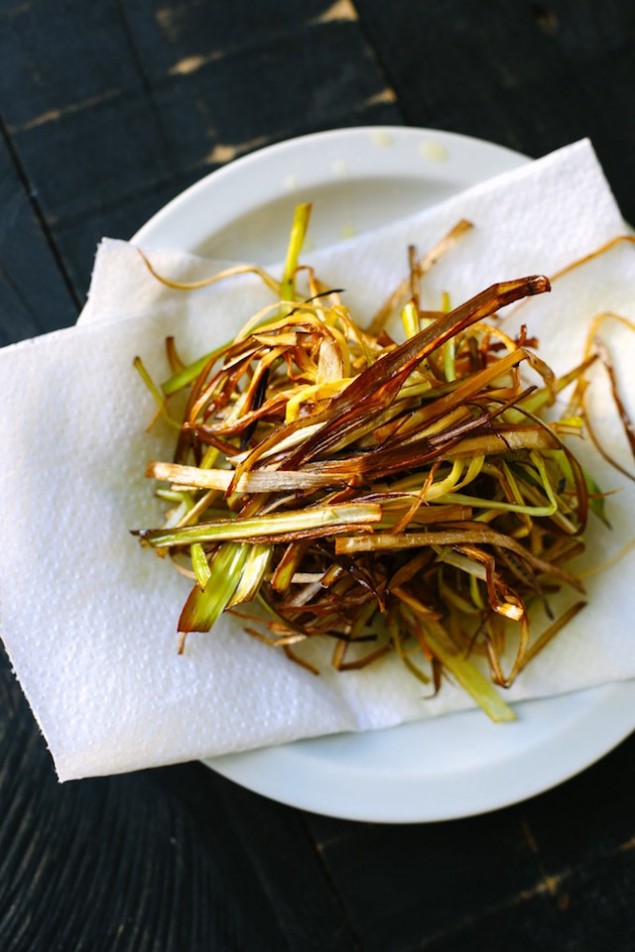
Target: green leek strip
[
  {"x": 158, "y": 396},
  {"x": 142, "y": 370},
  {"x": 171, "y": 495},
  {"x": 475, "y": 593},
  {"x": 539, "y": 464},
  {"x": 596, "y": 497},
  {"x": 449, "y": 348},
  {"x": 477, "y": 569},
  {"x": 449, "y": 360},
  {"x": 287, "y": 290},
  {"x": 299, "y": 227},
  {"x": 254, "y": 569},
  {"x": 410, "y": 319},
  {"x": 204, "y": 606},
  {"x": 200, "y": 564},
  {"x": 273, "y": 524},
  {"x": 453, "y": 599},
  {"x": 476, "y": 502},
  {"x": 210, "y": 456},
  {"x": 186, "y": 376},
  {"x": 371, "y": 542},
  {"x": 174, "y": 518},
  {"x": 469, "y": 677},
  {"x": 402, "y": 654}
]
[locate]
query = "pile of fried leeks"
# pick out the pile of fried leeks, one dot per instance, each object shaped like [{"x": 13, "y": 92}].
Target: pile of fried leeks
[{"x": 407, "y": 499}]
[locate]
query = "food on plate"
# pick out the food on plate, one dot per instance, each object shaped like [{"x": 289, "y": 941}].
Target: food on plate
[{"x": 416, "y": 499}]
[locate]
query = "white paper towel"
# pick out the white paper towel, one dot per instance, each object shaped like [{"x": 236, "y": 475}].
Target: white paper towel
[{"x": 89, "y": 618}]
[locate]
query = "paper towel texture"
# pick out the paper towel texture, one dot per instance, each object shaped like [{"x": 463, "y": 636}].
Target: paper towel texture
[{"x": 89, "y": 618}]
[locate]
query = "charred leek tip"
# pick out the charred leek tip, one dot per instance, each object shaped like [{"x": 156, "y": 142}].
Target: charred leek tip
[{"x": 538, "y": 284}]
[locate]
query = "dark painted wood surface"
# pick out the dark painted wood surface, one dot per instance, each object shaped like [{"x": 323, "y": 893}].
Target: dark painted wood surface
[{"x": 108, "y": 110}]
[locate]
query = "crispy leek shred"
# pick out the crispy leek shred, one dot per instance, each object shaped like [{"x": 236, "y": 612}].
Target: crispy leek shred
[{"x": 407, "y": 499}]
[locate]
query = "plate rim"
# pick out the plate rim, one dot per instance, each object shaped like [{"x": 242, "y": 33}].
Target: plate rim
[
  {"x": 180, "y": 205},
  {"x": 245, "y": 768}
]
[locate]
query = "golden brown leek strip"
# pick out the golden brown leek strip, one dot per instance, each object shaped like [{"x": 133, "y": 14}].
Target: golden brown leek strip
[
  {"x": 627, "y": 423},
  {"x": 581, "y": 393},
  {"x": 610, "y": 562},
  {"x": 543, "y": 640},
  {"x": 385, "y": 541},
  {"x": 365, "y": 490},
  {"x": 275, "y": 642},
  {"x": 597, "y": 442},
  {"x": 299, "y": 661},
  {"x": 464, "y": 392},
  {"x": 607, "y": 246},
  {"x": 376, "y": 387},
  {"x": 364, "y": 661},
  {"x": 404, "y": 655},
  {"x": 233, "y": 271},
  {"x": 585, "y": 259},
  {"x": 174, "y": 358},
  {"x": 258, "y": 481},
  {"x": 397, "y": 300},
  {"x": 382, "y": 463},
  {"x": 503, "y": 600},
  {"x": 342, "y": 646},
  {"x": 543, "y": 397},
  {"x": 506, "y": 440}
]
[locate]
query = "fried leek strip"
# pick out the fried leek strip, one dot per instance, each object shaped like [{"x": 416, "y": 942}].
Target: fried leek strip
[{"x": 409, "y": 500}]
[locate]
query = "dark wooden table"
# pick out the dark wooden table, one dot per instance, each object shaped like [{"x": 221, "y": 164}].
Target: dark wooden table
[{"x": 108, "y": 110}]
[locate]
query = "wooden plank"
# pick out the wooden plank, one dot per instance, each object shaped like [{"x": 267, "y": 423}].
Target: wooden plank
[
  {"x": 110, "y": 111},
  {"x": 107, "y": 124},
  {"x": 596, "y": 813},
  {"x": 121, "y": 862},
  {"x": 289, "y": 866},
  {"x": 590, "y": 908},
  {"x": 420, "y": 880},
  {"x": 34, "y": 295},
  {"x": 525, "y": 875},
  {"x": 166, "y": 859},
  {"x": 140, "y": 103},
  {"x": 533, "y": 77}
]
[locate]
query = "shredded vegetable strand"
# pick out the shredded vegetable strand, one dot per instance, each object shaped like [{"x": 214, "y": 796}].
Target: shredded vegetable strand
[{"x": 406, "y": 500}]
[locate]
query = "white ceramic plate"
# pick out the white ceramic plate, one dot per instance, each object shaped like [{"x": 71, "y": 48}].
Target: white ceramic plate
[{"x": 461, "y": 764}]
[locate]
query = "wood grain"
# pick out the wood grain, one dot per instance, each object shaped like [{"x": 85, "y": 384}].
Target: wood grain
[
  {"x": 35, "y": 293},
  {"x": 108, "y": 110},
  {"x": 530, "y": 76},
  {"x": 114, "y": 109}
]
